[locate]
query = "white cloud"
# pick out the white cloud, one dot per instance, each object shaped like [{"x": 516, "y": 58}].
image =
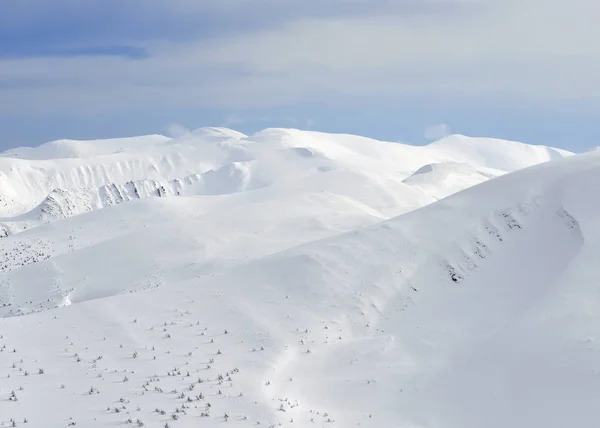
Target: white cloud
[
  {"x": 534, "y": 49},
  {"x": 176, "y": 130},
  {"x": 437, "y": 132}
]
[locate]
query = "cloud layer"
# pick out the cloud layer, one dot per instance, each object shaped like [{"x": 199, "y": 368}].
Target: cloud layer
[{"x": 111, "y": 54}]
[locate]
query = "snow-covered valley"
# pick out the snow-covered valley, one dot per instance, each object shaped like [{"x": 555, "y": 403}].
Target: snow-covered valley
[{"x": 298, "y": 279}]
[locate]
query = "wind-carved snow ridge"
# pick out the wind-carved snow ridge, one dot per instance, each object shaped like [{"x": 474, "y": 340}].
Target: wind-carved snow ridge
[
  {"x": 61, "y": 203},
  {"x": 496, "y": 229},
  {"x": 570, "y": 221},
  {"x": 476, "y": 249}
]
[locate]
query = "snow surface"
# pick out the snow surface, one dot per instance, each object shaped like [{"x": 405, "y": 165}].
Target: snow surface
[
  {"x": 66, "y": 178},
  {"x": 269, "y": 280}
]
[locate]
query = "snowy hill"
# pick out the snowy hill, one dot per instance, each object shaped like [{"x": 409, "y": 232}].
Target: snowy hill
[
  {"x": 83, "y": 149},
  {"x": 494, "y": 153},
  {"x": 262, "y": 280},
  {"x": 443, "y": 179},
  {"x": 65, "y": 178}
]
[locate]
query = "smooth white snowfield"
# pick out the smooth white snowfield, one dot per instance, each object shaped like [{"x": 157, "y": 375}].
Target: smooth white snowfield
[{"x": 478, "y": 310}]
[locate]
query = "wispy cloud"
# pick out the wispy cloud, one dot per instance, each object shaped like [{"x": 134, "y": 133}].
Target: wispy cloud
[
  {"x": 29, "y": 51},
  {"x": 79, "y": 23},
  {"x": 176, "y": 130},
  {"x": 236, "y": 54},
  {"x": 437, "y": 132}
]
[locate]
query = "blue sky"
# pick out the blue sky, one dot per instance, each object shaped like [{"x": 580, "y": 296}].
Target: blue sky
[{"x": 391, "y": 69}]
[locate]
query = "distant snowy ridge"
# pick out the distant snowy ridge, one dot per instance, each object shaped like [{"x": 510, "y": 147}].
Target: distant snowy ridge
[
  {"x": 495, "y": 153},
  {"x": 65, "y": 178},
  {"x": 63, "y": 149},
  {"x": 28, "y": 175}
]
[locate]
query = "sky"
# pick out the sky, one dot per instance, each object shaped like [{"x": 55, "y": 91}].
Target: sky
[{"x": 398, "y": 70}]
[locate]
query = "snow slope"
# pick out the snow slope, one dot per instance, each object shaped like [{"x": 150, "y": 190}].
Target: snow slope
[
  {"x": 268, "y": 192},
  {"x": 443, "y": 179},
  {"x": 298, "y": 302},
  {"x": 65, "y": 178}
]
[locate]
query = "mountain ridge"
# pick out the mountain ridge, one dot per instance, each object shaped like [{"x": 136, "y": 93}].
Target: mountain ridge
[
  {"x": 348, "y": 284},
  {"x": 219, "y": 155}
]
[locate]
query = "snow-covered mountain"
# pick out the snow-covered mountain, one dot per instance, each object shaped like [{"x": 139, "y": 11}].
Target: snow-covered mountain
[
  {"x": 65, "y": 178},
  {"x": 299, "y": 279}
]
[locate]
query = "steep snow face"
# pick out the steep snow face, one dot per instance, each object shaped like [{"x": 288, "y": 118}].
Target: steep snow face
[
  {"x": 61, "y": 204},
  {"x": 27, "y": 176},
  {"x": 443, "y": 317}
]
